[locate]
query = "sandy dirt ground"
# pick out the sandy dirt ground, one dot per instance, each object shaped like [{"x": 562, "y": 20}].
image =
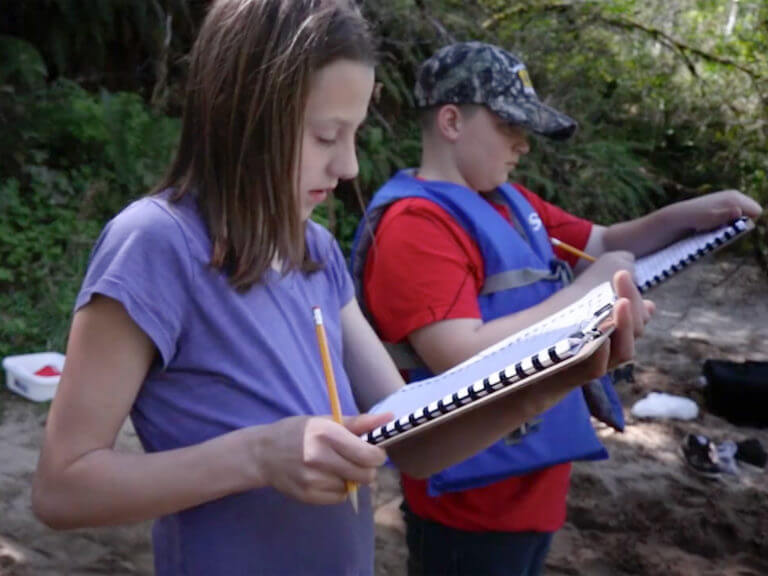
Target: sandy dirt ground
[{"x": 641, "y": 512}]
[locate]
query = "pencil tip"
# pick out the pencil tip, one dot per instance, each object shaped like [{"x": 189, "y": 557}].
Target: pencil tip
[{"x": 353, "y": 499}]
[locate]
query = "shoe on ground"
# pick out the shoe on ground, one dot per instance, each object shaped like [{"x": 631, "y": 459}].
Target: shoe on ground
[{"x": 701, "y": 455}]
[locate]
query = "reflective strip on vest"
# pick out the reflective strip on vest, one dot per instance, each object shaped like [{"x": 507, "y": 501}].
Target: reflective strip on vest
[{"x": 516, "y": 279}]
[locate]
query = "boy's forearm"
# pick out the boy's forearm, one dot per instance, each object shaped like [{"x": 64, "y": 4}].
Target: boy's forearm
[
  {"x": 648, "y": 233},
  {"x": 496, "y": 330},
  {"x": 105, "y": 487},
  {"x": 444, "y": 344},
  {"x": 660, "y": 228}
]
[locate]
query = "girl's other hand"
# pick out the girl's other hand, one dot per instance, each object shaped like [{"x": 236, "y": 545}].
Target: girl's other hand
[{"x": 640, "y": 309}]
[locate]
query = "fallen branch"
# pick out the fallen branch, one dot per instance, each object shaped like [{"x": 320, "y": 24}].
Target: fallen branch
[{"x": 592, "y": 10}]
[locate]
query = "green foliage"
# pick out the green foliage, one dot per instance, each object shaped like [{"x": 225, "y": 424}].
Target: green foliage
[
  {"x": 602, "y": 179},
  {"x": 43, "y": 249},
  {"x": 115, "y": 43},
  {"x": 70, "y": 160},
  {"x": 381, "y": 151},
  {"x": 335, "y": 216},
  {"x": 22, "y": 65}
]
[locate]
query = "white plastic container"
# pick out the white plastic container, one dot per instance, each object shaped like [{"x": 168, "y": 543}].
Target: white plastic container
[{"x": 21, "y": 378}]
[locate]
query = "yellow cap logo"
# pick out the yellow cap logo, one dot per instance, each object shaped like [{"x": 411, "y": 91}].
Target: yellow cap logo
[{"x": 526, "y": 80}]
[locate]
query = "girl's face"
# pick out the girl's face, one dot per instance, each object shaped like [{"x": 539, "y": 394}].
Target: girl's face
[{"x": 336, "y": 107}]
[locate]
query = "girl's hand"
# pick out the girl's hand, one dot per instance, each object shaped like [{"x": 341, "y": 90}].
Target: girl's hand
[
  {"x": 630, "y": 315},
  {"x": 310, "y": 458}
]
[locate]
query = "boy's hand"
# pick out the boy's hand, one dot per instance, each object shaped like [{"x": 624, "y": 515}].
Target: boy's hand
[
  {"x": 310, "y": 458},
  {"x": 714, "y": 210},
  {"x": 606, "y": 267}
]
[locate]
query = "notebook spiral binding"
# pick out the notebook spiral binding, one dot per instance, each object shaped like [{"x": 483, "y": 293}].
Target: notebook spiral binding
[
  {"x": 512, "y": 374},
  {"x": 509, "y": 375},
  {"x": 738, "y": 227}
]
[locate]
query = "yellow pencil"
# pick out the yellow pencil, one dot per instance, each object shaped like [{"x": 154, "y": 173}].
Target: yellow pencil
[
  {"x": 572, "y": 250},
  {"x": 333, "y": 393}
]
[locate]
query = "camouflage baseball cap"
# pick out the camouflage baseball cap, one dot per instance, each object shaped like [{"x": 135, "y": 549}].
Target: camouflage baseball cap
[{"x": 478, "y": 73}]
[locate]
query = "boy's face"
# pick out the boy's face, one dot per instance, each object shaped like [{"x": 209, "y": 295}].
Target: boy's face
[
  {"x": 336, "y": 107},
  {"x": 487, "y": 149}
]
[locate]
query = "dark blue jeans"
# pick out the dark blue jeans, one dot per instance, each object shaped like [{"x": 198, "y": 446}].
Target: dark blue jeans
[{"x": 437, "y": 550}]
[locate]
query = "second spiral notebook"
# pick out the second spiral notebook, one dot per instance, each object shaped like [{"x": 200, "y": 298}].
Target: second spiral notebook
[{"x": 564, "y": 339}]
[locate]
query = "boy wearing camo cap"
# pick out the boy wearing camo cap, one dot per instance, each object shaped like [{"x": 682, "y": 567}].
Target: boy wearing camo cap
[{"x": 452, "y": 258}]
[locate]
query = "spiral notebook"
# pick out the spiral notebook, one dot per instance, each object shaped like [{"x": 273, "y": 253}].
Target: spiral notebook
[
  {"x": 655, "y": 268},
  {"x": 561, "y": 340}
]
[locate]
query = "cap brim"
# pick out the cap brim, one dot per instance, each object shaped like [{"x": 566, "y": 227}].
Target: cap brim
[{"x": 539, "y": 118}]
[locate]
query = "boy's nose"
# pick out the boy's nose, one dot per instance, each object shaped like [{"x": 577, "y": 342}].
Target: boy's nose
[{"x": 523, "y": 147}]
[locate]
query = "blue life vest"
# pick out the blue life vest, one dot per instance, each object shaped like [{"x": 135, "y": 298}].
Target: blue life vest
[{"x": 521, "y": 270}]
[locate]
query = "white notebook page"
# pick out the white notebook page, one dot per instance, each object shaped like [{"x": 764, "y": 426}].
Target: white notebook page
[{"x": 674, "y": 255}]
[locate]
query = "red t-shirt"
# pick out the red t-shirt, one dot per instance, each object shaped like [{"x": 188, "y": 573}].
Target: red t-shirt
[{"x": 424, "y": 268}]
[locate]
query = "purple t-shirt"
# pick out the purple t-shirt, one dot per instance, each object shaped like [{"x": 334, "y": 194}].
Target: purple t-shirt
[{"x": 229, "y": 360}]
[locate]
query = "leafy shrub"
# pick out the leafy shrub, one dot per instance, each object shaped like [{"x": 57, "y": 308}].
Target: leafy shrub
[{"x": 71, "y": 160}]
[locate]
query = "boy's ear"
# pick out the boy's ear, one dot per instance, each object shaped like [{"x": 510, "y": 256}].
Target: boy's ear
[{"x": 449, "y": 122}]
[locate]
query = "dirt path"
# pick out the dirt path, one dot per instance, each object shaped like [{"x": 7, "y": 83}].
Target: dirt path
[
  {"x": 642, "y": 512},
  {"x": 27, "y": 548}
]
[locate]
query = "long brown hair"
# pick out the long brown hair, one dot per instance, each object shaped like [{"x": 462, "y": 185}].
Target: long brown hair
[{"x": 249, "y": 76}]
